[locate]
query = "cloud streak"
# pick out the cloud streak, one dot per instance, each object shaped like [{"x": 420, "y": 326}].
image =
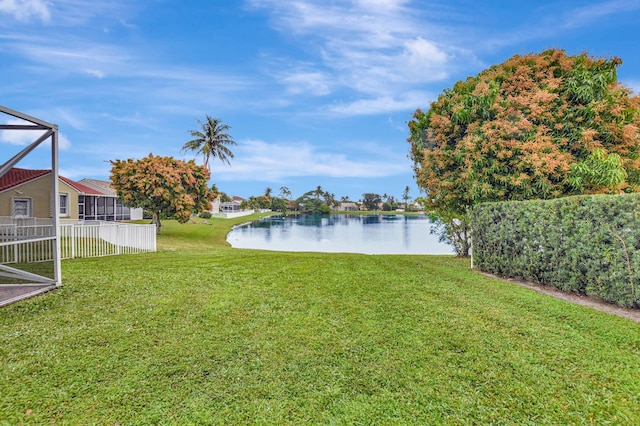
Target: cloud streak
[
  {"x": 587, "y": 15},
  {"x": 373, "y": 48},
  {"x": 259, "y": 160},
  {"x": 24, "y": 10},
  {"x": 25, "y": 137}
]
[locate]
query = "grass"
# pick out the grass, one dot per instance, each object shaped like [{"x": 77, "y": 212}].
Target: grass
[{"x": 199, "y": 333}]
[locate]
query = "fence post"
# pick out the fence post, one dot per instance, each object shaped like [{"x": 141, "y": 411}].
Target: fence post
[
  {"x": 15, "y": 245},
  {"x": 72, "y": 238},
  {"x": 119, "y": 239}
]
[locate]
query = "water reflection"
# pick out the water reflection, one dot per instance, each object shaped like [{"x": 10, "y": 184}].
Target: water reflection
[{"x": 370, "y": 234}]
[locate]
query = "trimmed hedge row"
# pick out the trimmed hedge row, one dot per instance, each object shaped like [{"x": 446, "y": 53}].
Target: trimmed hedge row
[{"x": 584, "y": 244}]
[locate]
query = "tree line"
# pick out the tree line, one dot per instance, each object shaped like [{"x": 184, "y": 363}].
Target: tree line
[{"x": 319, "y": 201}]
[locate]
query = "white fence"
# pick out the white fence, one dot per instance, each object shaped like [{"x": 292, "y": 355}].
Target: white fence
[
  {"x": 31, "y": 240},
  {"x": 230, "y": 215},
  {"x": 105, "y": 239}
]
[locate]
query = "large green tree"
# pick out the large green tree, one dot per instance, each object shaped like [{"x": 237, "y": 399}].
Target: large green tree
[
  {"x": 311, "y": 203},
  {"x": 162, "y": 185},
  {"x": 211, "y": 140},
  {"x": 371, "y": 201},
  {"x": 527, "y": 128}
]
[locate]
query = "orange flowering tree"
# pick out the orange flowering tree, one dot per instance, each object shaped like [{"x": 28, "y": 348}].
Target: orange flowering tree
[
  {"x": 162, "y": 185},
  {"x": 536, "y": 126}
]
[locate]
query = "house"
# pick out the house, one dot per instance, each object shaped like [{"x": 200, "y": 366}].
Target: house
[
  {"x": 231, "y": 206},
  {"x": 27, "y": 193},
  {"x": 347, "y": 207}
]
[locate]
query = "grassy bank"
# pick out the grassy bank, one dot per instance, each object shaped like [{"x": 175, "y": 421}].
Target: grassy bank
[{"x": 200, "y": 333}]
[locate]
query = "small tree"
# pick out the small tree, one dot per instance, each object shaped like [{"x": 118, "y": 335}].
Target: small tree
[
  {"x": 260, "y": 202},
  {"x": 330, "y": 199},
  {"x": 162, "y": 185},
  {"x": 279, "y": 205},
  {"x": 406, "y": 198},
  {"x": 371, "y": 201},
  {"x": 285, "y": 192},
  {"x": 318, "y": 192},
  {"x": 310, "y": 202}
]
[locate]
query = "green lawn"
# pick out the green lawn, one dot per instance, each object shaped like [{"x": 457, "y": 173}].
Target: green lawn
[{"x": 199, "y": 333}]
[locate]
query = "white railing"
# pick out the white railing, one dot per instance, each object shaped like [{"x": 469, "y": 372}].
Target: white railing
[
  {"x": 25, "y": 241},
  {"x": 105, "y": 239},
  {"x": 31, "y": 240},
  {"x": 230, "y": 215}
]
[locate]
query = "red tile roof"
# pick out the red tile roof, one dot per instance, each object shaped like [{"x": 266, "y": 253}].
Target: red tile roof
[
  {"x": 16, "y": 176},
  {"x": 83, "y": 189}
]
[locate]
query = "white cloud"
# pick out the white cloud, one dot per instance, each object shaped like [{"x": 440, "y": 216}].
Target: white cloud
[
  {"x": 70, "y": 13},
  {"x": 92, "y": 59},
  {"x": 94, "y": 73},
  {"x": 633, "y": 85},
  {"x": 378, "y": 49},
  {"x": 381, "y": 4},
  {"x": 77, "y": 172},
  {"x": 382, "y": 104},
  {"x": 314, "y": 82},
  {"x": 71, "y": 118},
  {"x": 24, "y": 10},
  {"x": 586, "y": 15},
  {"x": 25, "y": 137},
  {"x": 158, "y": 83},
  {"x": 258, "y": 160},
  {"x": 419, "y": 52},
  {"x": 19, "y": 137}
]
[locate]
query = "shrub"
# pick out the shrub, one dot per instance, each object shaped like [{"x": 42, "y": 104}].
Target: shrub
[
  {"x": 205, "y": 214},
  {"x": 583, "y": 244}
]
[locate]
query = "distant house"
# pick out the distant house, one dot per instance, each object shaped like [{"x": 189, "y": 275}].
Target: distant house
[
  {"x": 347, "y": 207},
  {"x": 27, "y": 193},
  {"x": 231, "y": 206}
]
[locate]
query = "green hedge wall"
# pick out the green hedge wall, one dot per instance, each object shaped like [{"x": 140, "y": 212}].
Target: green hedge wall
[{"x": 583, "y": 244}]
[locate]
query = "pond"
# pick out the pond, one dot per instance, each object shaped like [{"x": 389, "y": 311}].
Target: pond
[{"x": 368, "y": 234}]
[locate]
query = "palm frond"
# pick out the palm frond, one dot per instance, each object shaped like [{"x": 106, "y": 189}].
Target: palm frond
[{"x": 211, "y": 141}]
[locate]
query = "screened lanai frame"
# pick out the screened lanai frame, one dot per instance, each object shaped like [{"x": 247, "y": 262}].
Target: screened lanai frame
[{"x": 33, "y": 282}]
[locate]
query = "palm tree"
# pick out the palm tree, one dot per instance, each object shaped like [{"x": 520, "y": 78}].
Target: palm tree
[
  {"x": 406, "y": 198},
  {"x": 284, "y": 192},
  {"x": 211, "y": 141}
]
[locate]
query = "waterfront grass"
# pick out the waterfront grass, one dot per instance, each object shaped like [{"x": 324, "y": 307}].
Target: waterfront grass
[{"x": 199, "y": 333}]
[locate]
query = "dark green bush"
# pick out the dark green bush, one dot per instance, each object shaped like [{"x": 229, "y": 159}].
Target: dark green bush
[
  {"x": 205, "y": 214},
  {"x": 584, "y": 244}
]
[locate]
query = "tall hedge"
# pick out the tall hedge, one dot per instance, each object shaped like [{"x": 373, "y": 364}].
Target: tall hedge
[{"x": 583, "y": 244}]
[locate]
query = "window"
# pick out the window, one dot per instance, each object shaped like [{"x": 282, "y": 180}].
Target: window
[
  {"x": 81, "y": 207},
  {"x": 64, "y": 204},
  {"x": 22, "y": 207}
]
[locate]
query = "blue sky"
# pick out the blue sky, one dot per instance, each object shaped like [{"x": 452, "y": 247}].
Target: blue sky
[{"x": 317, "y": 92}]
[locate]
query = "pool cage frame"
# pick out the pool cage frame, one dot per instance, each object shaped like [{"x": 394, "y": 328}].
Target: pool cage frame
[{"x": 50, "y": 132}]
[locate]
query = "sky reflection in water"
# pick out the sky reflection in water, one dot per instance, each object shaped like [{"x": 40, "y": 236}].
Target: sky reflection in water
[{"x": 371, "y": 234}]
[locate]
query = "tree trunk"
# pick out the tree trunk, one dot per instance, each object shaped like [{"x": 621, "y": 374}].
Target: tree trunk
[
  {"x": 156, "y": 221},
  {"x": 459, "y": 236}
]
